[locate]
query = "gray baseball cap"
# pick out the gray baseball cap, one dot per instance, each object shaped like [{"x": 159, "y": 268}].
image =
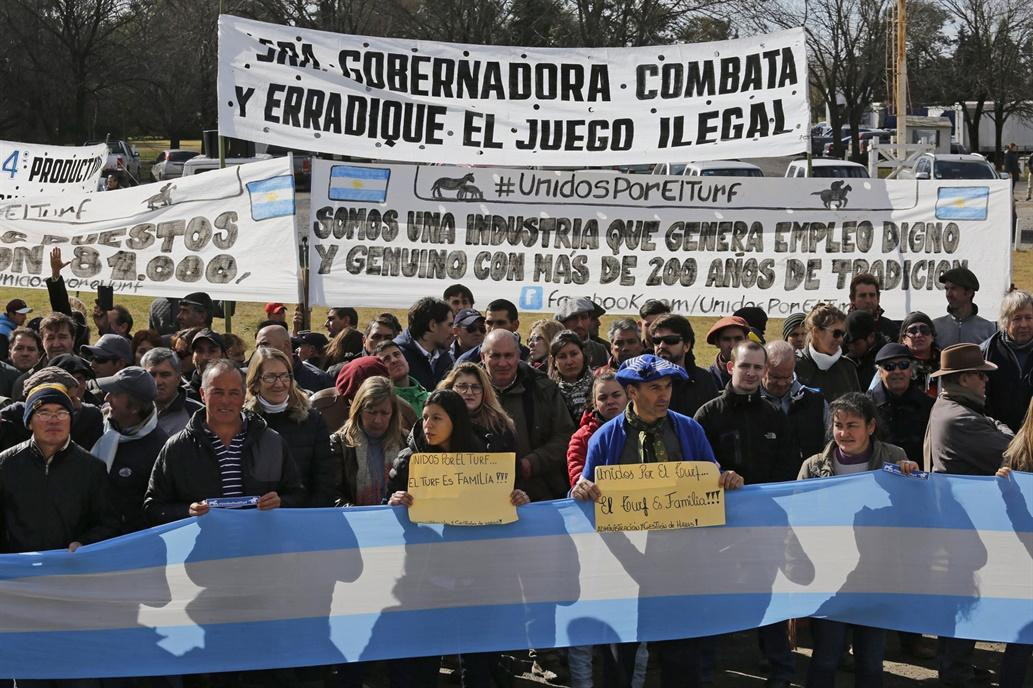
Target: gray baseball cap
[
  {"x": 132, "y": 380},
  {"x": 572, "y": 307},
  {"x": 109, "y": 346}
]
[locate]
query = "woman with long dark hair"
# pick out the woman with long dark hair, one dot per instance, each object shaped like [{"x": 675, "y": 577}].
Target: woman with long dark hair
[
  {"x": 446, "y": 427},
  {"x": 568, "y": 367}
]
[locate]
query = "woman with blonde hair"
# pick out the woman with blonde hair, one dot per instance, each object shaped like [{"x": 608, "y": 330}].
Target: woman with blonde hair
[
  {"x": 541, "y": 335},
  {"x": 364, "y": 448},
  {"x": 821, "y": 364},
  {"x": 490, "y": 421},
  {"x": 274, "y": 395}
]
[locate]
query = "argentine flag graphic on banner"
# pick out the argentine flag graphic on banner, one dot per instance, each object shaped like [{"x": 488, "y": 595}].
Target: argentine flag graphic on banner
[
  {"x": 273, "y": 197},
  {"x": 350, "y": 183},
  {"x": 962, "y": 202}
]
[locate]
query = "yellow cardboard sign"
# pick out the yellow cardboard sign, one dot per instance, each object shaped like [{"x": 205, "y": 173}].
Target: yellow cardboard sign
[
  {"x": 462, "y": 489},
  {"x": 659, "y": 496}
]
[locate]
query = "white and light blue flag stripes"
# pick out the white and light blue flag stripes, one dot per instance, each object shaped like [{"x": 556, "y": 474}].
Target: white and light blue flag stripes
[
  {"x": 962, "y": 202},
  {"x": 351, "y": 183},
  {"x": 235, "y": 590}
]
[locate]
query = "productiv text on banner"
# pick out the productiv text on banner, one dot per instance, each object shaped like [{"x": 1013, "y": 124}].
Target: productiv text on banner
[
  {"x": 29, "y": 169},
  {"x": 426, "y": 101}
]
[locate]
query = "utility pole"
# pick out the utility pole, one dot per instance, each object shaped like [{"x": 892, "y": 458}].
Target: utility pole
[
  {"x": 227, "y": 306},
  {"x": 900, "y": 80}
]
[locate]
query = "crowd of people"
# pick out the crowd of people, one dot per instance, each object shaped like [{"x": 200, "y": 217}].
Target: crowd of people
[{"x": 107, "y": 429}]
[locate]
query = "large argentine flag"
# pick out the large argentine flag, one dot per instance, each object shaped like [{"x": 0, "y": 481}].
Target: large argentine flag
[
  {"x": 350, "y": 183},
  {"x": 232, "y": 590}
]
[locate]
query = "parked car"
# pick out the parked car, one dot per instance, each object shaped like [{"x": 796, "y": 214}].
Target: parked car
[
  {"x": 169, "y": 163},
  {"x": 951, "y": 166},
  {"x": 824, "y": 167},
  {"x": 669, "y": 168},
  {"x": 722, "y": 168},
  {"x": 821, "y": 133},
  {"x": 202, "y": 163},
  {"x": 122, "y": 157},
  {"x": 642, "y": 168},
  {"x": 709, "y": 168}
]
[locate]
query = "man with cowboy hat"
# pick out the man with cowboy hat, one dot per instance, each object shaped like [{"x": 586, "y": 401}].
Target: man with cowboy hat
[{"x": 963, "y": 440}]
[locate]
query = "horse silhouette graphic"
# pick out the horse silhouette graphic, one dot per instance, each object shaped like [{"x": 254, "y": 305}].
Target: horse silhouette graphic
[
  {"x": 463, "y": 186},
  {"x": 834, "y": 195},
  {"x": 162, "y": 198}
]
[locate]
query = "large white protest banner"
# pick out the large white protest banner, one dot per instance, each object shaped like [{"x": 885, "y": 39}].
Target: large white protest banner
[
  {"x": 388, "y": 235},
  {"x": 28, "y": 169},
  {"x": 425, "y": 101},
  {"x": 228, "y": 232}
]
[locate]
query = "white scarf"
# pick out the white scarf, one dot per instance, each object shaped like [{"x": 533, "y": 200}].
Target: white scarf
[
  {"x": 824, "y": 361},
  {"x": 270, "y": 407},
  {"x": 107, "y": 445}
]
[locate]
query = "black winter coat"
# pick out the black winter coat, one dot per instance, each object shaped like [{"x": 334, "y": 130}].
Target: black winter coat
[
  {"x": 750, "y": 437},
  {"x": 687, "y": 396},
  {"x": 129, "y": 475},
  {"x": 419, "y": 366},
  {"x": 49, "y": 506},
  {"x": 1009, "y": 388},
  {"x": 903, "y": 419},
  {"x": 398, "y": 476},
  {"x": 187, "y": 470},
  {"x": 309, "y": 445},
  {"x": 807, "y": 424}
]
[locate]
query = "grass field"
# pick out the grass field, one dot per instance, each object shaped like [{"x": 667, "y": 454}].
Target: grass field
[{"x": 249, "y": 314}]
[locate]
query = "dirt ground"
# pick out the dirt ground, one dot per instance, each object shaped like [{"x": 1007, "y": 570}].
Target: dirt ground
[{"x": 739, "y": 666}]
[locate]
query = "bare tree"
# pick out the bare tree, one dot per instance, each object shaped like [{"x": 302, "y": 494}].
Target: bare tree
[
  {"x": 846, "y": 46},
  {"x": 989, "y": 65},
  {"x": 74, "y": 52}
]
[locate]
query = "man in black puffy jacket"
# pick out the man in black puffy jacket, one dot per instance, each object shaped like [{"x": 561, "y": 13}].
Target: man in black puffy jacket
[
  {"x": 53, "y": 493},
  {"x": 131, "y": 441},
  {"x": 750, "y": 436},
  {"x": 221, "y": 454}
]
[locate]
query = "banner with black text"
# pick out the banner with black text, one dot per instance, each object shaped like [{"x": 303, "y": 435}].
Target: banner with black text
[
  {"x": 426, "y": 101},
  {"x": 229, "y": 233},
  {"x": 388, "y": 235},
  {"x": 29, "y": 169}
]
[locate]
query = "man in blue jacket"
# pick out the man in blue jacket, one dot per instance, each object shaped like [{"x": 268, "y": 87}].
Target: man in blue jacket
[{"x": 648, "y": 432}]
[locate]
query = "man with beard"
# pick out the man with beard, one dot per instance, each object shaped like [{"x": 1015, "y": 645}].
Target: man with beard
[
  {"x": 864, "y": 296},
  {"x": 673, "y": 339}
]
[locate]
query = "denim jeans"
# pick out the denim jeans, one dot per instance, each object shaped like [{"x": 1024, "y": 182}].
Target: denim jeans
[{"x": 829, "y": 643}]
